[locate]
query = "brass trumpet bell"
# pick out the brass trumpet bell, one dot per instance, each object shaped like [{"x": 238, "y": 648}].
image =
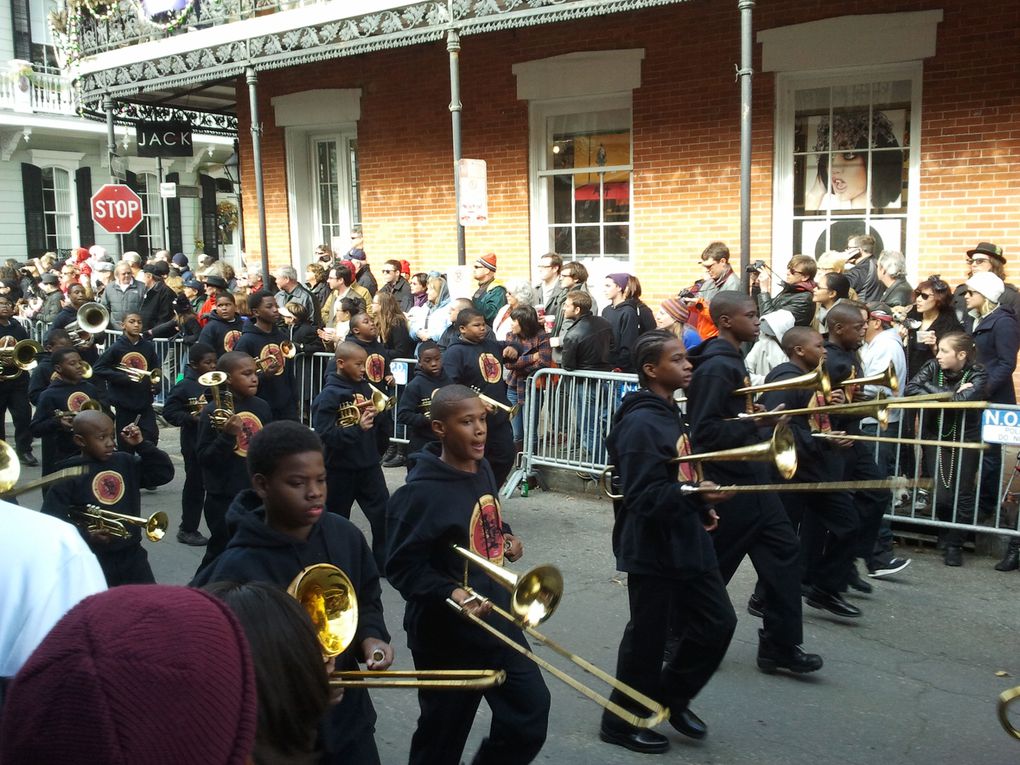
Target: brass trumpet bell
[
  {"x": 886, "y": 379},
  {"x": 96, "y": 519},
  {"x": 86, "y": 370},
  {"x": 153, "y": 376},
  {"x": 381, "y": 401},
  {"x": 288, "y": 349},
  {"x": 511, "y": 411},
  {"x": 223, "y": 399},
  {"x": 349, "y": 414},
  {"x": 91, "y": 319},
  {"x": 817, "y": 380}
]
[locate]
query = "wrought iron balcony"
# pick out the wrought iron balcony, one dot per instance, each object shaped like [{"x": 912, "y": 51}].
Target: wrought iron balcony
[{"x": 28, "y": 90}]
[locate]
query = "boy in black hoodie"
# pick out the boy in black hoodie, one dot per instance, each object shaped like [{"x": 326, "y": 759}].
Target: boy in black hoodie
[
  {"x": 224, "y": 328},
  {"x": 279, "y": 529},
  {"x": 365, "y": 334},
  {"x": 222, "y": 448},
  {"x": 451, "y": 497},
  {"x": 131, "y": 398},
  {"x": 77, "y": 297},
  {"x": 42, "y": 375},
  {"x": 66, "y": 394},
  {"x": 474, "y": 360},
  {"x": 429, "y": 376},
  {"x": 351, "y": 454},
  {"x": 751, "y": 524},
  {"x": 261, "y": 340},
  {"x": 112, "y": 481},
  {"x": 14, "y": 390},
  {"x": 660, "y": 538},
  {"x": 179, "y": 411}
]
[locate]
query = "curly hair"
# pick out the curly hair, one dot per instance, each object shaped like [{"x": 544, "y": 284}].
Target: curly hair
[{"x": 853, "y": 134}]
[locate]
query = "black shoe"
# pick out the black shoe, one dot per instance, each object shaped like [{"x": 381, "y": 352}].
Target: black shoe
[
  {"x": 954, "y": 555},
  {"x": 689, "y": 724},
  {"x": 756, "y": 606},
  {"x": 399, "y": 458},
  {"x": 388, "y": 454},
  {"x": 192, "y": 538},
  {"x": 856, "y": 583},
  {"x": 1011, "y": 560},
  {"x": 643, "y": 741},
  {"x": 28, "y": 459},
  {"x": 833, "y": 603},
  {"x": 792, "y": 658}
]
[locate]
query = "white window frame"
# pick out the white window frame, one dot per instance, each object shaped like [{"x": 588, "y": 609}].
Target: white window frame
[
  {"x": 345, "y": 186},
  {"x": 539, "y": 113},
  {"x": 152, "y": 216},
  {"x": 68, "y": 215},
  {"x": 69, "y": 162},
  {"x": 787, "y": 84}
]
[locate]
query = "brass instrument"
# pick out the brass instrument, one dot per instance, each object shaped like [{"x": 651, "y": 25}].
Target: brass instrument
[
  {"x": 877, "y": 408},
  {"x": 154, "y": 376},
  {"x": 1006, "y": 698},
  {"x": 349, "y": 414},
  {"x": 534, "y": 596},
  {"x": 896, "y": 482},
  {"x": 10, "y": 471},
  {"x": 96, "y": 519},
  {"x": 89, "y": 405},
  {"x": 904, "y": 441},
  {"x": 817, "y": 380},
  {"x": 223, "y": 399},
  {"x": 886, "y": 379},
  {"x": 91, "y": 319},
  {"x": 18, "y": 358},
  {"x": 196, "y": 404},
  {"x": 287, "y": 349},
  {"x": 944, "y": 396},
  {"x": 780, "y": 449},
  {"x": 327, "y": 595},
  {"x": 511, "y": 411},
  {"x": 86, "y": 370}
]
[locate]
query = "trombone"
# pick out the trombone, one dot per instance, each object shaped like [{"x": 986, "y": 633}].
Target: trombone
[
  {"x": 154, "y": 376},
  {"x": 10, "y": 471},
  {"x": 89, "y": 405},
  {"x": 223, "y": 401},
  {"x": 1006, "y": 698},
  {"x": 878, "y": 408},
  {"x": 97, "y": 520},
  {"x": 18, "y": 358},
  {"x": 349, "y": 414},
  {"x": 91, "y": 319},
  {"x": 817, "y": 380},
  {"x": 780, "y": 449},
  {"x": 327, "y": 595},
  {"x": 904, "y": 441},
  {"x": 534, "y": 596}
]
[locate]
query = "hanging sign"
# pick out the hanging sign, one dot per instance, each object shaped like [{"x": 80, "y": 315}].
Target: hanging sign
[
  {"x": 474, "y": 195},
  {"x": 164, "y": 139}
]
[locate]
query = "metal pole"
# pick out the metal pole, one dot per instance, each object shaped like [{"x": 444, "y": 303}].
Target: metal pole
[
  {"x": 744, "y": 74},
  {"x": 453, "y": 46},
  {"x": 111, "y": 152},
  {"x": 256, "y": 155}
]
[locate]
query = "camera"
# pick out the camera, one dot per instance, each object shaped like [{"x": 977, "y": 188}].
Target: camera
[{"x": 757, "y": 267}]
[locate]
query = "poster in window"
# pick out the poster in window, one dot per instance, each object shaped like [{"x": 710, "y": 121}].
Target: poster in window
[
  {"x": 817, "y": 236},
  {"x": 849, "y": 146}
]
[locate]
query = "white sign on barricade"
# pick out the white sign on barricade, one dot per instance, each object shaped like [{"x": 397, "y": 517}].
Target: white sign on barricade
[{"x": 1001, "y": 426}]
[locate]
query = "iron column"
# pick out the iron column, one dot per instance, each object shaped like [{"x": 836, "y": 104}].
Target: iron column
[
  {"x": 256, "y": 155},
  {"x": 453, "y": 46}
]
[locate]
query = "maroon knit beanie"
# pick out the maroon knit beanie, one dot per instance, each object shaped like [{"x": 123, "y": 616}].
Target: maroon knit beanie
[{"x": 139, "y": 675}]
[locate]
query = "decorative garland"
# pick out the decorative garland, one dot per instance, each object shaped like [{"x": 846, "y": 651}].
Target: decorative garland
[
  {"x": 175, "y": 18},
  {"x": 226, "y": 215}
]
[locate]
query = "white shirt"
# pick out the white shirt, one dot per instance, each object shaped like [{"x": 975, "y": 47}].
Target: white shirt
[
  {"x": 886, "y": 347},
  {"x": 45, "y": 570}
]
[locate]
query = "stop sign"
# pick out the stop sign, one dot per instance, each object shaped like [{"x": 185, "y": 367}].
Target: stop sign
[{"x": 117, "y": 208}]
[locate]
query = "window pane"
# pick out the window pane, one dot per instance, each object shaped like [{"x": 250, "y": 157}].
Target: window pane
[
  {"x": 616, "y": 240},
  {"x": 588, "y": 240},
  {"x": 562, "y": 199},
  {"x": 562, "y": 241},
  {"x": 589, "y": 139}
]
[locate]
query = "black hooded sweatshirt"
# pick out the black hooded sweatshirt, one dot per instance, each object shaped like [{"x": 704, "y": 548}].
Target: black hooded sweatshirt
[
  {"x": 345, "y": 448},
  {"x": 58, "y": 442},
  {"x": 177, "y": 412},
  {"x": 658, "y": 529},
  {"x": 718, "y": 371},
  {"x": 221, "y": 335},
  {"x": 440, "y": 506},
  {"x": 277, "y": 390},
  {"x": 411, "y": 413},
  {"x": 125, "y": 391},
  {"x": 223, "y": 456},
  {"x": 842, "y": 365},
  {"x": 259, "y": 553},
  {"x": 377, "y": 363}
]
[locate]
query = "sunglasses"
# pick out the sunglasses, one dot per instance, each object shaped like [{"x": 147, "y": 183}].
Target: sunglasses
[
  {"x": 923, "y": 295},
  {"x": 387, "y": 270},
  {"x": 969, "y": 293}
]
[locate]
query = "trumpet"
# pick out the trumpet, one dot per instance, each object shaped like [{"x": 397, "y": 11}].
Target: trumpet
[
  {"x": 91, "y": 319},
  {"x": 511, "y": 411},
  {"x": 196, "y": 404},
  {"x": 327, "y": 595},
  {"x": 154, "y": 376},
  {"x": 18, "y": 358},
  {"x": 89, "y": 405},
  {"x": 223, "y": 400},
  {"x": 349, "y": 414},
  {"x": 817, "y": 380},
  {"x": 97, "y": 520},
  {"x": 780, "y": 449},
  {"x": 534, "y": 596},
  {"x": 10, "y": 471}
]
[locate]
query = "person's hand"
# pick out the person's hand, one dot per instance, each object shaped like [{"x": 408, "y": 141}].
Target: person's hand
[
  {"x": 710, "y": 519},
  {"x": 66, "y": 421},
  {"x": 131, "y": 434},
  {"x": 389, "y": 380},
  {"x": 778, "y": 417},
  {"x": 272, "y": 364},
  {"x": 472, "y": 604},
  {"x": 234, "y": 425},
  {"x": 713, "y": 497},
  {"x": 842, "y": 443},
  {"x": 367, "y": 419},
  {"x": 964, "y": 386},
  {"x": 100, "y": 537},
  {"x": 510, "y": 354},
  {"x": 513, "y": 548},
  {"x": 377, "y": 654},
  {"x": 838, "y": 396}
]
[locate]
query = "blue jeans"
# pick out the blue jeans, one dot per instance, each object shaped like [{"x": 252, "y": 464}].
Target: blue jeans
[
  {"x": 517, "y": 423},
  {"x": 592, "y": 402}
]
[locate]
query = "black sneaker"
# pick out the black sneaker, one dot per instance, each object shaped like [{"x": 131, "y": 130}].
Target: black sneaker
[
  {"x": 28, "y": 459},
  {"x": 894, "y": 566},
  {"x": 756, "y": 606},
  {"x": 192, "y": 538}
]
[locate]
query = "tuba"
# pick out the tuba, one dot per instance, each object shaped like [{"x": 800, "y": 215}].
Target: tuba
[
  {"x": 91, "y": 319},
  {"x": 222, "y": 399}
]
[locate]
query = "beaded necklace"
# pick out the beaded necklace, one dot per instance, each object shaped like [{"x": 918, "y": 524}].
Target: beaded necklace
[{"x": 947, "y": 435}]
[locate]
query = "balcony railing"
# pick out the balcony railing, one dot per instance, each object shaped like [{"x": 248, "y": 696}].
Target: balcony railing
[{"x": 39, "y": 92}]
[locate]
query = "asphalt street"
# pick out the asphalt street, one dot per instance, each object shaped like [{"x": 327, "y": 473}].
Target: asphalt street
[{"x": 913, "y": 681}]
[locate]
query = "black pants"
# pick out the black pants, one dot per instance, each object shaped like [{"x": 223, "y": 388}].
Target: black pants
[
  {"x": 193, "y": 496},
  {"x": 954, "y": 472},
  {"x": 129, "y": 565},
  {"x": 991, "y": 480},
  {"x": 828, "y": 537},
  {"x": 872, "y": 504},
  {"x": 757, "y": 526},
  {"x": 520, "y": 710},
  {"x": 699, "y": 611},
  {"x": 14, "y": 398},
  {"x": 215, "y": 510},
  {"x": 146, "y": 423},
  {"x": 367, "y": 486}
]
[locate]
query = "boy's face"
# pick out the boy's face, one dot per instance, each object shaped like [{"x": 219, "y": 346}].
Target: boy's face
[
  {"x": 244, "y": 379},
  {"x": 813, "y": 351},
  {"x": 97, "y": 440},
  {"x": 268, "y": 312},
  {"x": 464, "y": 430},
  {"x": 76, "y": 296},
  {"x": 133, "y": 326},
  {"x": 431, "y": 362},
  {"x": 364, "y": 328},
  {"x": 475, "y": 330},
  {"x": 203, "y": 364},
  {"x": 226, "y": 309},
  {"x": 295, "y": 493},
  {"x": 6, "y": 308},
  {"x": 744, "y": 322},
  {"x": 353, "y": 366},
  {"x": 69, "y": 368},
  {"x": 674, "y": 368},
  {"x": 849, "y": 334}
]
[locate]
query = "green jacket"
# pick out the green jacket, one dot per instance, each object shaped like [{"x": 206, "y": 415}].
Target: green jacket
[{"x": 489, "y": 299}]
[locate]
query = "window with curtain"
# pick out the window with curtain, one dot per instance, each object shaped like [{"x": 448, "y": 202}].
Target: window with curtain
[
  {"x": 150, "y": 230},
  {"x": 57, "y": 209}
]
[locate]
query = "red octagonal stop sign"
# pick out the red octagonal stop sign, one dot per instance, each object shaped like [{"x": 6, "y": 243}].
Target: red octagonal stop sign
[{"x": 117, "y": 208}]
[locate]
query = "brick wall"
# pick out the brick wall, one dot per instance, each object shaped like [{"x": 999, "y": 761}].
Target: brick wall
[{"x": 686, "y": 136}]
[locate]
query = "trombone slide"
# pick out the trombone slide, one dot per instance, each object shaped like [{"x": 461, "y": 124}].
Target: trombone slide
[
  {"x": 434, "y": 680},
  {"x": 903, "y": 441}
]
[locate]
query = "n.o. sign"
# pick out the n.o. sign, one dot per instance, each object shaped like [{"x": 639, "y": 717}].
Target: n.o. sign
[{"x": 117, "y": 208}]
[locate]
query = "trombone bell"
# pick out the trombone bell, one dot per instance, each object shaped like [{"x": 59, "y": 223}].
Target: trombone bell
[
  {"x": 886, "y": 379},
  {"x": 817, "y": 380}
]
